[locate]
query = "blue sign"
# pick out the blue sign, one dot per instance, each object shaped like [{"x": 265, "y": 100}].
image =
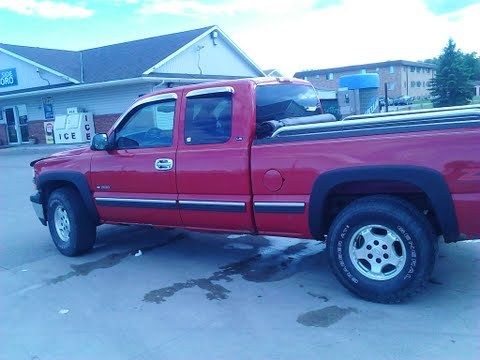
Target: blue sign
[
  {"x": 8, "y": 77},
  {"x": 48, "y": 110}
]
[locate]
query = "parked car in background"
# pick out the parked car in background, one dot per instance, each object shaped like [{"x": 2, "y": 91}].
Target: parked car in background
[
  {"x": 403, "y": 100},
  {"x": 381, "y": 101},
  {"x": 258, "y": 156}
]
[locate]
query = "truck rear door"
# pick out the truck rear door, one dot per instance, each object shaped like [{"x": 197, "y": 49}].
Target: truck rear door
[{"x": 213, "y": 160}]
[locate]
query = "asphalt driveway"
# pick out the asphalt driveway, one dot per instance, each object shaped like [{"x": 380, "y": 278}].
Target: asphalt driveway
[{"x": 145, "y": 293}]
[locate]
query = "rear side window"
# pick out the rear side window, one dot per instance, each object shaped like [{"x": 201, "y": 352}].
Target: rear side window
[
  {"x": 208, "y": 119},
  {"x": 148, "y": 126},
  {"x": 281, "y": 101}
]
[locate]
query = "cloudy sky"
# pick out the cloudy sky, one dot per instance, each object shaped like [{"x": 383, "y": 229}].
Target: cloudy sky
[{"x": 290, "y": 35}]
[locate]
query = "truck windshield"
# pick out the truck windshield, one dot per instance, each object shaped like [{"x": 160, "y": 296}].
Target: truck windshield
[{"x": 281, "y": 101}]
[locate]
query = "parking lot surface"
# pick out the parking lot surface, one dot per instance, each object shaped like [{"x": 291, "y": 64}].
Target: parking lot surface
[{"x": 147, "y": 293}]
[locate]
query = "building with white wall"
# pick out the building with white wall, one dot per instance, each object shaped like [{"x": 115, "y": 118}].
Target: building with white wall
[{"x": 36, "y": 84}]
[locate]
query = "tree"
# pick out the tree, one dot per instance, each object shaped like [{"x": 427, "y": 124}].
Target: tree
[{"x": 452, "y": 83}]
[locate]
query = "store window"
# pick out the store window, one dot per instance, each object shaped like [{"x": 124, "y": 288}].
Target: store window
[{"x": 392, "y": 70}]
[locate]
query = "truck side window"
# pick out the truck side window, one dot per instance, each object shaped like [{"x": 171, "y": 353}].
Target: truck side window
[
  {"x": 208, "y": 119},
  {"x": 148, "y": 126}
]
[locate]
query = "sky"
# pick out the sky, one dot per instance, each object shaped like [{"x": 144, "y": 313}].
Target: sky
[{"x": 290, "y": 35}]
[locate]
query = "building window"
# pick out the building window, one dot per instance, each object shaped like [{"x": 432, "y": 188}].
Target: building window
[
  {"x": 428, "y": 71},
  {"x": 377, "y": 69},
  {"x": 364, "y": 71},
  {"x": 412, "y": 69},
  {"x": 317, "y": 76},
  {"x": 412, "y": 84},
  {"x": 419, "y": 69},
  {"x": 147, "y": 126},
  {"x": 419, "y": 83},
  {"x": 208, "y": 119},
  {"x": 405, "y": 84},
  {"x": 391, "y": 86},
  {"x": 329, "y": 76},
  {"x": 392, "y": 70},
  {"x": 424, "y": 84}
]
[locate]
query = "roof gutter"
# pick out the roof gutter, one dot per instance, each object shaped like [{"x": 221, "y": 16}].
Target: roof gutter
[{"x": 81, "y": 87}]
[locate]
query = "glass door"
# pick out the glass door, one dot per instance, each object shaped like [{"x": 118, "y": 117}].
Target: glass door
[
  {"x": 17, "y": 126},
  {"x": 12, "y": 128}
]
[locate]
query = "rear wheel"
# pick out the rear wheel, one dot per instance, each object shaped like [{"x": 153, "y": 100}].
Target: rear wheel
[
  {"x": 72, "y": 229},
  {"x": 382, "y": 248}
]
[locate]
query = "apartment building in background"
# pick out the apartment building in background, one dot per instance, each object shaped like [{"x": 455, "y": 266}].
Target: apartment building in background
[{"x": 403, "y": 78}]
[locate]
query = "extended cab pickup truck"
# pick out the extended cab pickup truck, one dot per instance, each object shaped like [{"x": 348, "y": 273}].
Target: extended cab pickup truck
[{"x": 257, "y": 156}]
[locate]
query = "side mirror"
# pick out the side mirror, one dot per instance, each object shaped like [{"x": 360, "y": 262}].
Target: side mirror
[{"x": 99, "y": 142}]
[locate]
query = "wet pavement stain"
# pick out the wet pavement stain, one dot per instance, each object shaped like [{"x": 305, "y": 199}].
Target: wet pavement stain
[
  {"x": 324, "y": 317},
  {"x": 255, "y": 268},
  {"x": 106, "y": 262},
  {"x": 321, "y": 297}
]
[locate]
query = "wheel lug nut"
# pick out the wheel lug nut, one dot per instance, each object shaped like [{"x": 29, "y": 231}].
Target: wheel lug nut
[
  {"x": 378, "y": 260},
  {"x": 384, "y": 247},
  {"x": 375, "y": 242},
  {"x": 385, "y": 256},
  {"x": 369, "y": 247},
  {"x": 370, "y": 256}
]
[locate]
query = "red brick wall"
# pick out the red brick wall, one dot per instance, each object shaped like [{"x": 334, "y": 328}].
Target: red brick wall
[
  {"x": 3, "y": 134},
  {"x": 35, "y": 128},
  {"x": 103, "y": 123}
]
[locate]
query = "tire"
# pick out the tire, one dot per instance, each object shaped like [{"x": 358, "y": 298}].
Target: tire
[
  {"x": 72, "y": 229},
  {"x": 382, "y": 249}
]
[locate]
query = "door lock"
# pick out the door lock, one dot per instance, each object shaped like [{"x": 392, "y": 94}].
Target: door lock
[{"x": 163, "y": 164}]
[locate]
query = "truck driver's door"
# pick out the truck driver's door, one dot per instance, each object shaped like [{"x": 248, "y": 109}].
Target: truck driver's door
[{"x": 135, "y": 182}]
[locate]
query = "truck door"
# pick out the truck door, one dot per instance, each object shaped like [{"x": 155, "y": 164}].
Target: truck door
[
  {"x": 135, "y": 182},
  {"x": 213, "y": 164}
]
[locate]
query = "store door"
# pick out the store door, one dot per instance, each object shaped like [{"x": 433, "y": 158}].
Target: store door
[{"x": 17, "y": 128}]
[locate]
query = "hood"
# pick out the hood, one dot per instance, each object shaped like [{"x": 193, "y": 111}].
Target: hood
[{"x": 67, "y": 153}]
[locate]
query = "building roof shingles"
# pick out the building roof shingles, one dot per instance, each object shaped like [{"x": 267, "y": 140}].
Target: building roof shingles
[{"x": 112, "y": 62}]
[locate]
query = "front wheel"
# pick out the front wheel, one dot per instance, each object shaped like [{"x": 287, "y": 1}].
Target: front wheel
[
  {"x": 72, "y": 229},
  {"x": 382, "y": 248}
]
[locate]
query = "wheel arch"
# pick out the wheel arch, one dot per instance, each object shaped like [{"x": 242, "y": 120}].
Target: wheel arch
[
  {"x": 429, "y": 181},
  {"x": 50, "y": 181}
]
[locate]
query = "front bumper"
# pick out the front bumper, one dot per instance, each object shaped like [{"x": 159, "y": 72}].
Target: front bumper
[{"x": 37, "y": 204}]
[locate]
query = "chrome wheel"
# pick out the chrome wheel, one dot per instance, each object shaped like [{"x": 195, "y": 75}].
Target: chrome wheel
[
  {"x": 377, "y": 252},
  {"x": 62, "y": 223}
]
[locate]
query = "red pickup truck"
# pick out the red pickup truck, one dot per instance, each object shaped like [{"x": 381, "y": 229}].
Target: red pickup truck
[{"x": 258, "y": 156}]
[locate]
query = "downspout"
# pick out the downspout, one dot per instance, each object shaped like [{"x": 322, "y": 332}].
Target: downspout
[{"x": 81, "y": 68}]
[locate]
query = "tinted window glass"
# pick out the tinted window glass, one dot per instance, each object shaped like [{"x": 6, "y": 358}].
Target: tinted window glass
[
  {"x": 276, "y": 102},
  {"x": 208, "y": 119},
  {"x": 148, "y": 126}
]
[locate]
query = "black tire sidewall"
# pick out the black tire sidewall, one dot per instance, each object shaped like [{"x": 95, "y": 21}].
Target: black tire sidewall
[{"x": 413, "y": 237}]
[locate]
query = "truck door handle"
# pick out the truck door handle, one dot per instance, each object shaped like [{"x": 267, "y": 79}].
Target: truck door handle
[{"x": 163, "y": 164}]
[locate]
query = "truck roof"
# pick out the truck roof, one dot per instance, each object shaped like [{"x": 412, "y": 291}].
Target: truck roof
[{"x": 233, "y": 82}]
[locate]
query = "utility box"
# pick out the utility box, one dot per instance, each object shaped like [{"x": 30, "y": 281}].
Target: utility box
[{"x": 74, "y": 128}]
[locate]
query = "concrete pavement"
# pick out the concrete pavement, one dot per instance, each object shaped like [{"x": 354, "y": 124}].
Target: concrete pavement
[{"x": 200, "y": 295}]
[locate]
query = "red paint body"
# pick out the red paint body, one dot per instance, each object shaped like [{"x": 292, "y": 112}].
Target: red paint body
[{"x": 235, "y": 171}]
